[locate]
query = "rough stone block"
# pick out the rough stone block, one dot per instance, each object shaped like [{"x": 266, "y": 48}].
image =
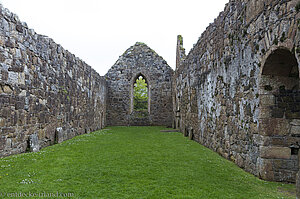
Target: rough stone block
[
  {"x": 7, "y": 89},
  {"x": 274, "y": 126},
  {"x": 41, "y": 134},
  {"x": 240, "y": 161},
  {"x": 34, "y": 143},
  {"x": 292, "y": 115},
  {"x": 13, "y": 77},
  {"x": 285, "y": 164},
  {"x": 267, "y": 100},
  {"x": 295, "y": 130},
  {"x": 277, "y": 113},
  {"x": 265, "y": 113},
  {"x": 19, "y": 105},
  {"x": 275, "y": 152},
  {"x": 277, "y": 141},
  {"x": 61, "y": 135},
  {"x": 2, "y": 122},
  {"x": 295, "y": 122},
  {"x": 8, "y": 144},
  {"x": 266, "y": 170},
  {"x": 285, "y": 176},
  {"x": 8, "y": 130}
]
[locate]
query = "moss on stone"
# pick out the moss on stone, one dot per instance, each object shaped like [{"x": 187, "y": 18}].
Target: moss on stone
[
  {"x": 140, "y": 43},
  {"x": 180, "y": 38}
]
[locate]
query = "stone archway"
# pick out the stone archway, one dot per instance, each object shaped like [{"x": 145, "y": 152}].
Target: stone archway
[
  {"x": 279, "y": 116},
  {"x": 140, "y": 117}
]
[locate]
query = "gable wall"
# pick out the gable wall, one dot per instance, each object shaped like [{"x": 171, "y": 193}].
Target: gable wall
[{"x": 139, "y": 59}]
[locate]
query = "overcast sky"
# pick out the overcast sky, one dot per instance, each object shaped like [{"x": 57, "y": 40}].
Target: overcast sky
[{"x": 99, "y": 31}]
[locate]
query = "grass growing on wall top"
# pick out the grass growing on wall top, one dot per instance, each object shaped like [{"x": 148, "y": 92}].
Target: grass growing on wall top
[{"x": 132, "y": 162}]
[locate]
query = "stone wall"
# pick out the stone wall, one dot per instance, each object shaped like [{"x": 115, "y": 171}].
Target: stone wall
[
  {"x": 237, "y": 91},
  {"x": 139, "y": 60},
  {"x": 298, "y": 181},
  {"x": 47, "y": 95}
]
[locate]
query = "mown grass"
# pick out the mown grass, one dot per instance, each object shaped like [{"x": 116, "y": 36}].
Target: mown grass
[{"x": 133, "y": 162}]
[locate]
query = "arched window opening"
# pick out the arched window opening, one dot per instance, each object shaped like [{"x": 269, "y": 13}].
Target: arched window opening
[{"x": 140, "y": 94}]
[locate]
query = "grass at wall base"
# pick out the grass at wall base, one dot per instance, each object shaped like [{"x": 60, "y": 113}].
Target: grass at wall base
[{"x": 132, "y": 162}]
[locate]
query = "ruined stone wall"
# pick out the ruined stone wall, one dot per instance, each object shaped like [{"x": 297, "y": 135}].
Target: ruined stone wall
[
  {"x": 139, "y": 60},
  {"x": 47, "y": 95},
  {"x": 225, "y": 100},
  {"x": 298, "y": 181}
]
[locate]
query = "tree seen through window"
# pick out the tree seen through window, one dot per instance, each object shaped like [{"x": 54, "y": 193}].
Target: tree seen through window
[{"x": 140, "y": 99}]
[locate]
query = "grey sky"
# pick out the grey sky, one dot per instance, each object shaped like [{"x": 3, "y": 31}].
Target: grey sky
[{"x": 100, "y": 31}]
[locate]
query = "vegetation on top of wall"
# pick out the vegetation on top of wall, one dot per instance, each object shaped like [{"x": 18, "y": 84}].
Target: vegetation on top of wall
[
  {"x": 180, "y": 39},
  {"x": 140, "y": 43}
]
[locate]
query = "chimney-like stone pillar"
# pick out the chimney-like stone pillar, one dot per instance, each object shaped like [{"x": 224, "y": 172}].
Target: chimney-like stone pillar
[{"x": 180, "y": 52}]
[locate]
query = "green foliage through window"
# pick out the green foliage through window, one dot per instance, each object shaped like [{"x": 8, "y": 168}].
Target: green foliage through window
[{"x": 140, "y": 94}]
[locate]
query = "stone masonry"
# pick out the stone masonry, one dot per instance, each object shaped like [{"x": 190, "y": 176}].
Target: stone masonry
[
  {"x": 139, "y": 60},
  {"x": 237, "y": 91},
  {"x": 47, "y": 95},
  {"x": 298, "y": 181}
]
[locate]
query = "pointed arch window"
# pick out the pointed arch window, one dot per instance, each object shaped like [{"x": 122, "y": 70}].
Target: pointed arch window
[{"x": 140, "y": 94}]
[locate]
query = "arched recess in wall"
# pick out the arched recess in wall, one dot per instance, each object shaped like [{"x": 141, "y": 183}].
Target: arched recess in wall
[
  {"x": 280, "y": 108},
  {"x": 279, "y": 85},
  {"x": 133, "y": 103}
]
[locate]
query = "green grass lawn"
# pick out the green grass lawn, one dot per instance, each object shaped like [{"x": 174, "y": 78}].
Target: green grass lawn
[{"x": 133, "y": 162}]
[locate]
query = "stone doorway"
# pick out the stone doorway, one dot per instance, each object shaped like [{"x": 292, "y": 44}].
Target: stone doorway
[{"x": 279, "y": 116}]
